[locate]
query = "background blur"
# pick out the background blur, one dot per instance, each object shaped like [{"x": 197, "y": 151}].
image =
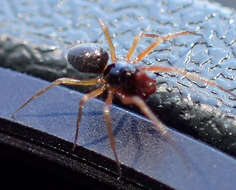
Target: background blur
[{"x": 229, "y": 3}]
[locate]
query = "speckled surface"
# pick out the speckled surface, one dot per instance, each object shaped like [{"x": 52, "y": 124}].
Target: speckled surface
[{"x": 35, "y": 37}]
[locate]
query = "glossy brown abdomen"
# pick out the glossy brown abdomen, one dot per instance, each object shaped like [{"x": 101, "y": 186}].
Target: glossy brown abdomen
[{"x": 88, "y": 58}]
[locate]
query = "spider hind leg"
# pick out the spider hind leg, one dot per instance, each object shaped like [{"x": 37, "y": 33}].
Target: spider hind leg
[
  {"x": 84, "y": 99},
  {"x": 67, "y": 81}
]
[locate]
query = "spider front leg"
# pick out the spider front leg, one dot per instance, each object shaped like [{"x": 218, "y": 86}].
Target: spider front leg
[
  {"x": 135, "y": 43},
  {"x": 186, "y": 74},
  {"x": 84, "y": 99},
  {"x": 67, "y": 81},
  {"x": 161, "y": 39},
  {"x": 107, "y": 117}
]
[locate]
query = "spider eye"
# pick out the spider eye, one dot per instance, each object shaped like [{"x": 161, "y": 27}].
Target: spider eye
[{"x": 127, "y": 73}]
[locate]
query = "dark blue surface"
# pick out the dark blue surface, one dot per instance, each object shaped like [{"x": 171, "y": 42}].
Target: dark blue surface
[
  {"x": 45, "y": 30},
  {"x": 194, "y": 166}
]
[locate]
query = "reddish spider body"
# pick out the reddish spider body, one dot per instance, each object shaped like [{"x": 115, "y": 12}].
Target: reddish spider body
[
  {"x": 90, "y": 58},
  {"x": 130, "y": 79},
  {"x": 123, "y": 78}
]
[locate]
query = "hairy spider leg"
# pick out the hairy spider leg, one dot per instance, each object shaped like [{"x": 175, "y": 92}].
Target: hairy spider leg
[
  {"x": 186, "y": 74},
  {"x": 135, "y": 43},
  {"x": 107, "y": 116},
  {"x": 111, "y": 46},
  {"x": 84, "y": 99},
  {"x": 67, "y": 81},
  {"x": 145, "y": 52}
]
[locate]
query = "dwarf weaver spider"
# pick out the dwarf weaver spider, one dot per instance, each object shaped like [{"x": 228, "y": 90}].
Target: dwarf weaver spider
[{"x": 122, "y": 78}]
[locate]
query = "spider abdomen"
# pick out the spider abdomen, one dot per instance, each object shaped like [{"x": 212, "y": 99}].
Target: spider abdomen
[{"x": 88, "y": 58}]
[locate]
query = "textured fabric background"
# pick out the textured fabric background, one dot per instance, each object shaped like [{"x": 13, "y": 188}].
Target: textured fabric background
[{"x": 36, "y": 36}]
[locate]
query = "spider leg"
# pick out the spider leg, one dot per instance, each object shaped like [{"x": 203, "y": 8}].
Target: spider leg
[
  {"x": 135, "y": 43},
  {"x": 68, "y": 81},
  {"x": 84, "y": 99},
  {"x": 186, "y": 74},
  {"x": 107, "y": 117},
  {"x": 137, "y": 101},
  {"x": 111, "y": 46},
  {"x": 145, "y": 52}
]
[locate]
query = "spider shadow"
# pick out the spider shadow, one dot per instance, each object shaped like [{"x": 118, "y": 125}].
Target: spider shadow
[{"x": 118, "y": 126}]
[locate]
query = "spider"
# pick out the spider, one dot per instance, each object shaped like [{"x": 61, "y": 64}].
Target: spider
[{"x": 123, "y": 78}]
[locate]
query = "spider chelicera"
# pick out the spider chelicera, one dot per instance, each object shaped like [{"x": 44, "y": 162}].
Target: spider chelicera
[{"x": 123, "y": 78}]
